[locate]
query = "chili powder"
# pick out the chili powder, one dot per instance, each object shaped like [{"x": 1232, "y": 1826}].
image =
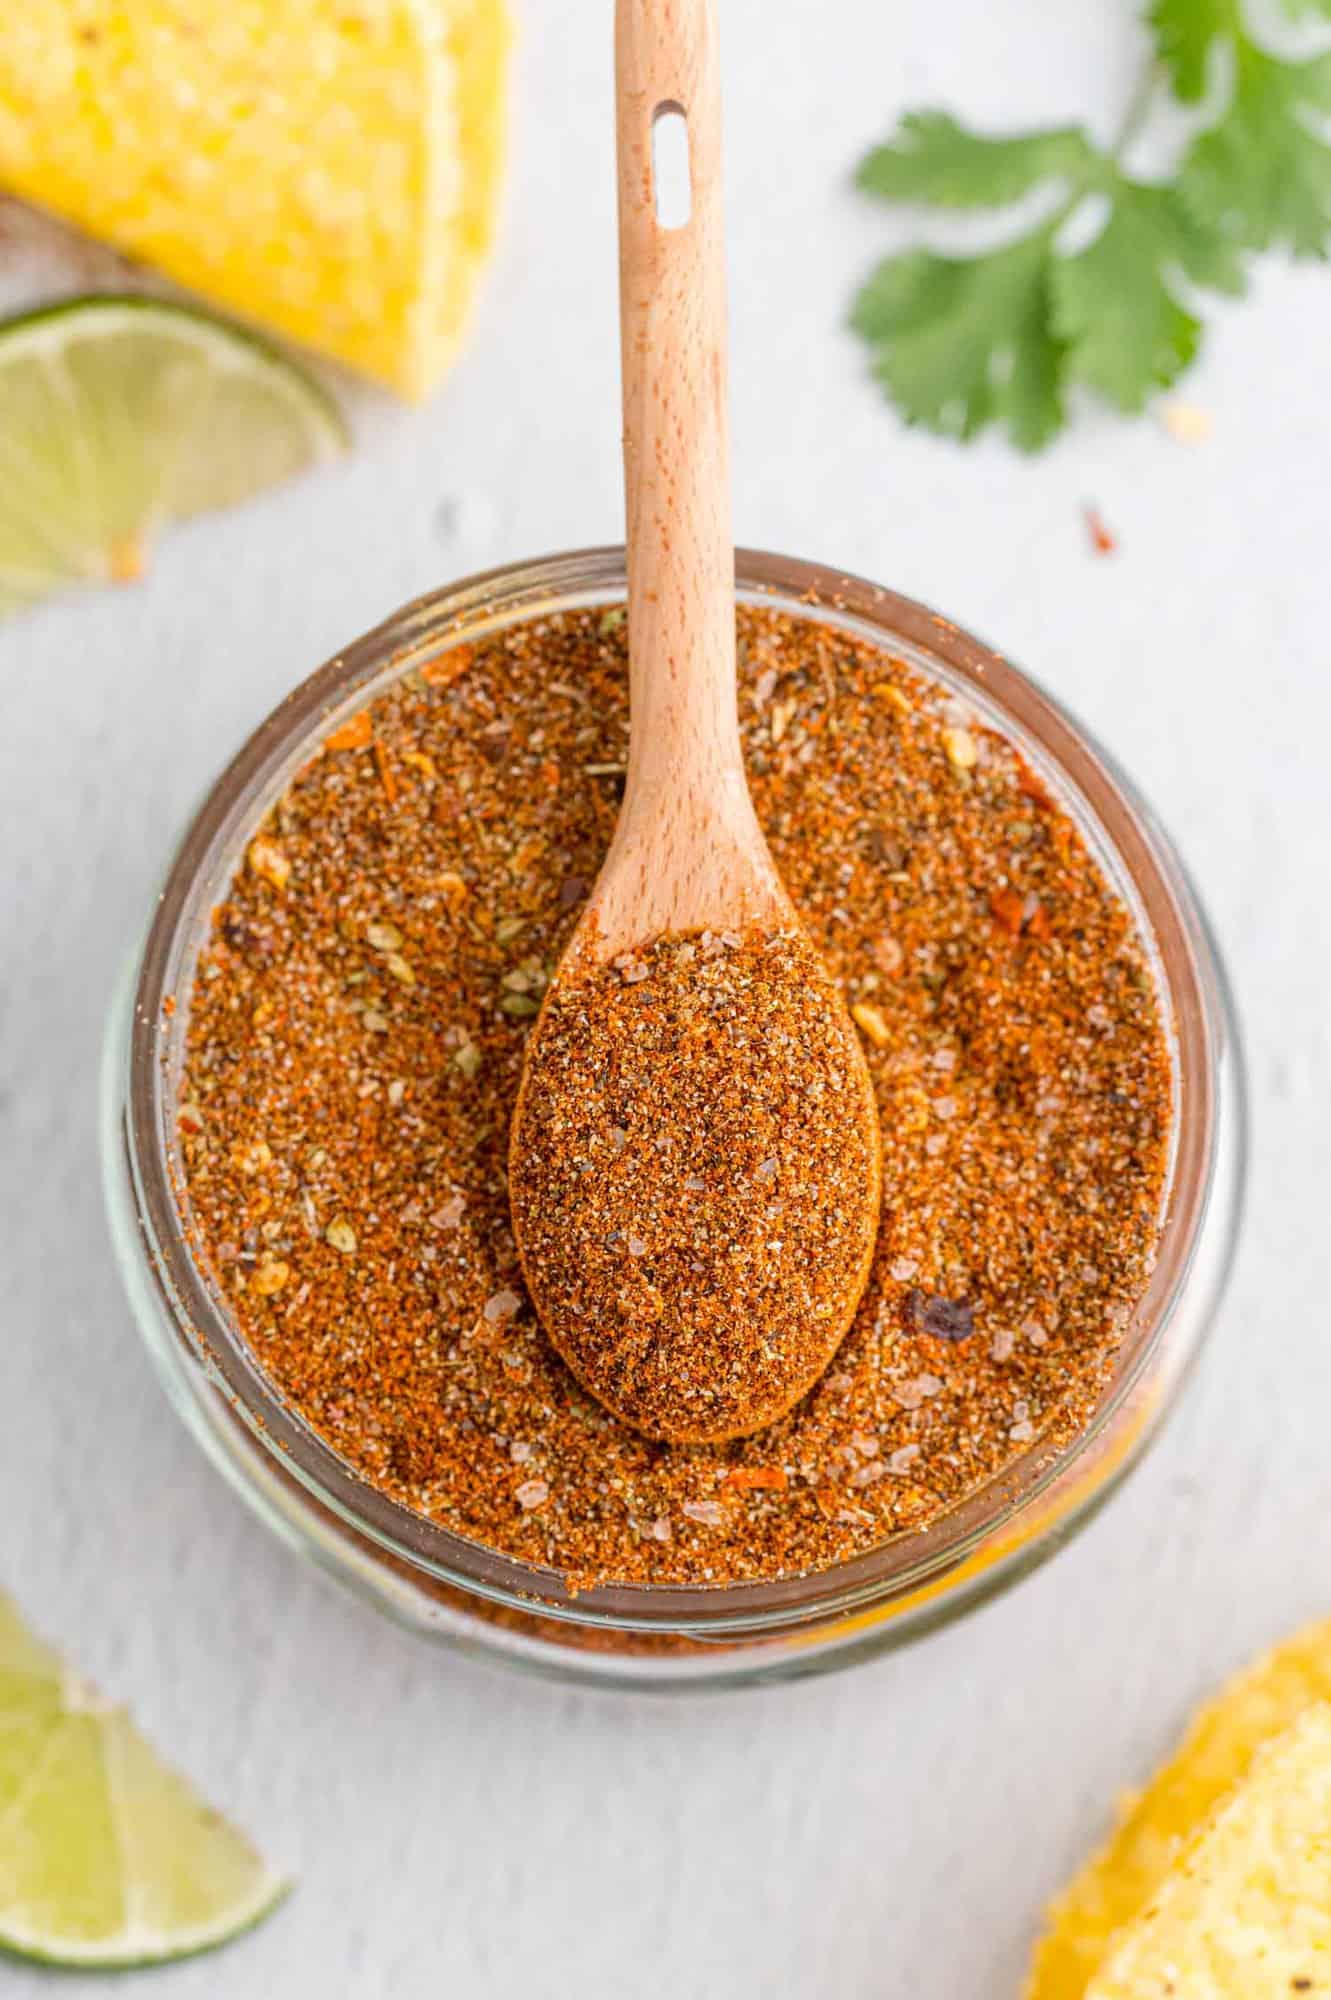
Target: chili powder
[{"x": 355, "y": 1036}]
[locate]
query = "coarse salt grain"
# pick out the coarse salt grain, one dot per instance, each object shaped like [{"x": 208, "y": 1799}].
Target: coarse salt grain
[
  {"x": 916, "y": 1389},
  {"x": 1003, "y": 1345},
  {"x": 902, "y": 1459},
  {"x": 709, "y": 1512},
  {"x": 904, "y": 1269},
  {"x": 1023, "y": 1432},
  {"x": 532, "y": 1493},
  {"x": 519, "y": 1452},
  {"x": 450, "y": 1215},
  {"x": 501, "y": 1306}
]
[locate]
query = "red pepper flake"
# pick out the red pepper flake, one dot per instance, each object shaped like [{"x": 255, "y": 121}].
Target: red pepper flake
[
  {"x": 354, "y": 735},
  {"x": 1033, "y": 788},
  {"x": 386, "y": 778},
  {"x": 449, "y": 667},
  {"x": 1102, "y": 541},
  {"x": 168, "y": 1004},
  {"x": 757, "y": 1478},
  {"x": 1019, "y": 915}
]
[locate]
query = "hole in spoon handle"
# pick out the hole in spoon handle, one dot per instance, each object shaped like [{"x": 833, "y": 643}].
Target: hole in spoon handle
[{"x": 672, "y": 179}]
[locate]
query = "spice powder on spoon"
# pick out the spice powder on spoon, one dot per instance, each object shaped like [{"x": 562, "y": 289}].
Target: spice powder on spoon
[
  {"x": 693, "y": 1177},
  {"x": 355, "y": 1035}
]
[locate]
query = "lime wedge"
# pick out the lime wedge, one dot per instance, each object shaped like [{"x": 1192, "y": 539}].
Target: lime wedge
[
  {"x": 121, "y": 415},
  {"x": 107, "y": 1858}
]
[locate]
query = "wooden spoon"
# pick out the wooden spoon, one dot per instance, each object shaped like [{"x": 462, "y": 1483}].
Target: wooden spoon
[{"x": 688, "y": 855}]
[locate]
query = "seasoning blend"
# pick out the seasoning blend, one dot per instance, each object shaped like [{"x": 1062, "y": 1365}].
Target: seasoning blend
[
  {"x": 694, "y": 1159},
  {"x": 353, "y": 1043},
  {"x": 311, "y": 1080}
]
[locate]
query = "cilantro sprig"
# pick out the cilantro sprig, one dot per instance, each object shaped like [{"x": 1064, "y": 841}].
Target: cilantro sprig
[{"x": 1004, "y": 337}]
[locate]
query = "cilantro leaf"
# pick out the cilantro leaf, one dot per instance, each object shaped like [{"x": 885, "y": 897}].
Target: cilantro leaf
[
  {"x": 1127, "y": 334},
  {"x": 1204, "y": 254},
  {"x": 1184, "y": 32},
  {"x": 959, "y": 343},
  {"x": 1262, "y": 174},
  {"x": 930, "y": 157}
]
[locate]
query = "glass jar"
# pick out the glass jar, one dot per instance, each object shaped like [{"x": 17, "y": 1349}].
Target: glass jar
[{"x": 667, "y": 1637}]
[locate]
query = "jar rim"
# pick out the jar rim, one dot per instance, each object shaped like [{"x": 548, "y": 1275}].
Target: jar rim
[{"x": 1128, "y": 843}]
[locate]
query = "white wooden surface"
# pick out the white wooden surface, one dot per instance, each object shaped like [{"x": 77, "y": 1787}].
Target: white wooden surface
[{"x": 892, "y": 1833}]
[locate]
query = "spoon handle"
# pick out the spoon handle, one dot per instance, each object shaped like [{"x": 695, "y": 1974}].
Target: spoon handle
[{"x": 681, "y": 565}]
